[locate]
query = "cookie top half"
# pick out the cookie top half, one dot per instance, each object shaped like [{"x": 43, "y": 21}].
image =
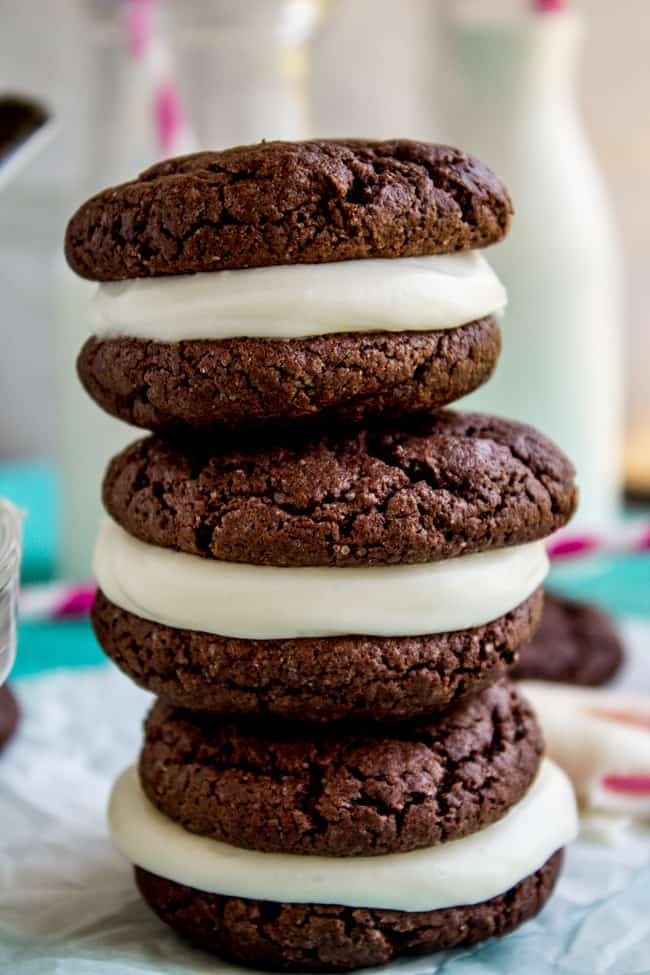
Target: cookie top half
[
  {"x": 431, "y": 488},
  {"x": 304, "y": 789},
  {"x": 289, "y": 203}
]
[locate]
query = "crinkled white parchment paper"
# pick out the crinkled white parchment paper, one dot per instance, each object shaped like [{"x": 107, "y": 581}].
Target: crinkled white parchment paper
[{"x": 67, "y": 901}]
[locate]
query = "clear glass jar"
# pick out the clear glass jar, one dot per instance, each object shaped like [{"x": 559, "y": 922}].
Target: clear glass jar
[{"x": 10, "y": 552}]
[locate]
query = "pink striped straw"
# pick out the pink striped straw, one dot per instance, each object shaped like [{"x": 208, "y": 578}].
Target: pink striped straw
[
  {"x": 139, "y": 25},
  {"x": 146, "y": 45},
  {"x": 549, "y": 6},
  {"x": 168, "y": 115}
]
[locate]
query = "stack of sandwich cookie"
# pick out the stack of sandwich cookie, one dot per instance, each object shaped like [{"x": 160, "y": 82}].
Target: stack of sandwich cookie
[{"x": 337, "y": 770}]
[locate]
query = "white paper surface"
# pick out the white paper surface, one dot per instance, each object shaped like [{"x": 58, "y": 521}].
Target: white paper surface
[{"x": 68, "y": 905}]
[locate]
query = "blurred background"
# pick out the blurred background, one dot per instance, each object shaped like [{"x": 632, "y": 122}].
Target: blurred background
[
  {"x": 554, "y": 96},
  {"x": 558, "y": 106}
]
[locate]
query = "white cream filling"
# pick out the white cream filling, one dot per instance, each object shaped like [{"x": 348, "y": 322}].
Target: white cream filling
[
  {"x": 292, "y": 301},
  {"x": 268, "y": 602},
  {"x": 464, "y": 871}
]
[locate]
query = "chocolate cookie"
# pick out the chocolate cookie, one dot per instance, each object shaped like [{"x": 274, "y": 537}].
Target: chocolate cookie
[
  {"x": 431, "y": 488},
  {"x": 576, "y": 644},
  {"x": 361, "y": 791},
  {"x": 8, "y": 715},
  {"x": 318, "y": 679},
  {"x": 288, "y": 203},
  {"x": 248, "y": 383},
  {"x": 316, "y": 937}
]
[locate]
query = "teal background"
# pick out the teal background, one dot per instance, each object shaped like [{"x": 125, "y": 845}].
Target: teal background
[{"x": 620, "y": 584}]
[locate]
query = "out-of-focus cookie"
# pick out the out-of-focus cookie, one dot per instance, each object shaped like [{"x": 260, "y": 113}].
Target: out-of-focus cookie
[
  {"x": 576, "y": 643},
  {"x": 8, "y": 715}
]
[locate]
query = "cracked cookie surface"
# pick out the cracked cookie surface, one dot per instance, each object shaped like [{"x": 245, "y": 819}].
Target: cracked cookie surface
[
  {"x": 245, "y": 383},
  {"x": 366, "y": 790},
  {"x": 321, "y": 938},
  {"x": 288, "y": 203},
  {"x": 320, "y": 679},
  {"x": 428, "y": 489}
]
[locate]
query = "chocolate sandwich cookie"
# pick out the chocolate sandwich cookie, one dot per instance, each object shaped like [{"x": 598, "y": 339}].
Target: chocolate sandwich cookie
[
  {"x": 281, "y": 282},
  {"x": 337, "y": 577},
  {"x": 576, "y": 643},
  {"x": 8, "y": 715},
  {"x": 325, "y": 937},
  {"x": 356, "y": 791},
  {"x": 288, "y": 910}
]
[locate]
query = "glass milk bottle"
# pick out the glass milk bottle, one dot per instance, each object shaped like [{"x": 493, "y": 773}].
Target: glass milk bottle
[{"x": 561, "y": 365}]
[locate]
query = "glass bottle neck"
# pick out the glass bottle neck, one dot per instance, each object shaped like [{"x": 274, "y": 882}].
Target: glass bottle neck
[{"x": 513, "y": 62}]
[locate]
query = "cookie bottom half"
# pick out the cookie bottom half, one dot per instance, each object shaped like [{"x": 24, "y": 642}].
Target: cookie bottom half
[
  {"x": 321, "y": 938},
  {"x": 315, "y": 679},
  {"x": 243, "y": 384}
]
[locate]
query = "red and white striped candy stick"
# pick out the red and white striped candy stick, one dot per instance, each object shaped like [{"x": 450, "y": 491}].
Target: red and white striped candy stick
[
  {"x": 601, "y": 738},
  {"x": 626, "y": 539},
  {"x": 56, "y": 600}
]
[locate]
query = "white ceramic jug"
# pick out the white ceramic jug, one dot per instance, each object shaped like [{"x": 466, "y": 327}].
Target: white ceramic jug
[{"x": 561, "y": 366}]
